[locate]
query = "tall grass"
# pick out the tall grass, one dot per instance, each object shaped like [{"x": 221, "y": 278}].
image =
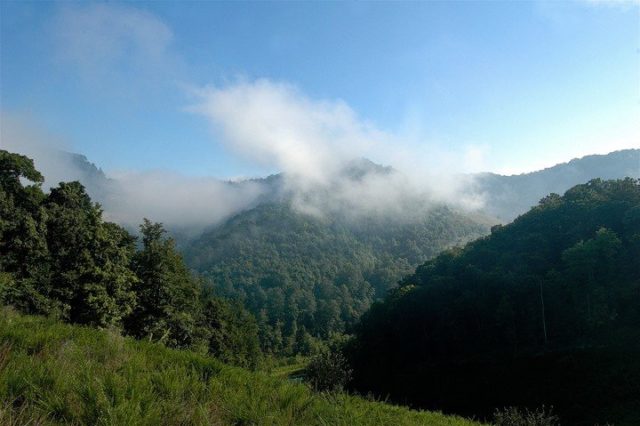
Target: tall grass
[{"x": 52, "y": 373}]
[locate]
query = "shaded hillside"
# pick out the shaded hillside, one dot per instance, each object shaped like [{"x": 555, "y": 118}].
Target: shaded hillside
[
  {"x": 305, "y": 276},
  {"x": 52, "y": 374},
  {"x": 509, "y": 196},
  {"x": 542, "y": 311},
  {"x": 328, "y": 269}
]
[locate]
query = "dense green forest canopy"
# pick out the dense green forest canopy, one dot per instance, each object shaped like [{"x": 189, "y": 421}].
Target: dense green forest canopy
[
  {"x": 302, "y": 276},
  {"x": 544, "y": 310},
  {"x": 59, "y": 257},
  {"x": 305, "y": 277}
]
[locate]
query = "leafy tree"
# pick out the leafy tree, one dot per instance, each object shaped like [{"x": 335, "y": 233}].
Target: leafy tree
[
  {"x": 90, "y": 277},
  {"x": 23, "y": 248},
  {"x": 58, "y": 256},
  {"x": 233, "y": 333},
  {"x": 168, "y": 296}
]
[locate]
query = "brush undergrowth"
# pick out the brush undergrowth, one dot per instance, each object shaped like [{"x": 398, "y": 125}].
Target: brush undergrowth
[{"x": 52, "y": 373}]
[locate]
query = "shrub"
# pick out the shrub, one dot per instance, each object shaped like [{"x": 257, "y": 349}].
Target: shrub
[
  {"x": 328, "y": 371},
  {"x": 513, "y": 416}
]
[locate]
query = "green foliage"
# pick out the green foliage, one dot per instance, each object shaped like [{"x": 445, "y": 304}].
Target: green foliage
[
  {"x": 22, "y": 219},
  {"x": 13, "y": 167},
  {"x": 562, "y": 280},
  {"x": 60, "y": 258},
  {"x": 328, "y": 371},
  {"x": 233, "y": 333},
  {"x": 90, "y": 280},
  {"x": 168, "y": 296},
  {"x": 304, "y": 277},
  {"x": 53, "y": 374}
]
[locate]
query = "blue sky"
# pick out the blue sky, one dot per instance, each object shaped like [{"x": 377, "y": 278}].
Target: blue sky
[{"x": 245, "y": 89}]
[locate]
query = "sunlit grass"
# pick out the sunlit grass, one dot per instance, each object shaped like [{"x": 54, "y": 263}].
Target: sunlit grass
[{"x": 52, "y": 373}]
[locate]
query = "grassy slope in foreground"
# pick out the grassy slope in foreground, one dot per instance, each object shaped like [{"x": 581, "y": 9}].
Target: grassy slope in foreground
[{"x": 51, "y": 373}]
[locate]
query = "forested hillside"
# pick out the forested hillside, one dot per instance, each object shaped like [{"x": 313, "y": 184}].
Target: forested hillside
[
  {"x": 305, "y": 277},
  {"x": 58, "y": 257},
  {"x": 543, "y": 311}
]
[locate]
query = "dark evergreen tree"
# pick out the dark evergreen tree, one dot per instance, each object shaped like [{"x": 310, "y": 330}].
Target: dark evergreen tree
[
  {"x": 91, "y": 279},
  {"x": 23, "y": 247},
  {"x": 168, "y": 308}
]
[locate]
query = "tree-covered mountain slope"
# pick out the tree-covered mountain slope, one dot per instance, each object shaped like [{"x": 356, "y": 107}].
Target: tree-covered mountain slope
[
  {"x": 308, "y": 262},
  {"x": 543, "y": 311},
  {"x": 506, "y": 197},
  {"x": 54, "y": 374},
  {"x": 306, "y": 276},
  {"x": 59, "y": 257}
]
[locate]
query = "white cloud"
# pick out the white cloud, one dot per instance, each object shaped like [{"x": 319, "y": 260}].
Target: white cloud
[
  {"x": 20, "y": 134},
  {"x": 188, "y": 204},
  {"x": 274, "y": 124},
  {"x": 311, "y": 141},
  {"x": 106, "y": 41}
]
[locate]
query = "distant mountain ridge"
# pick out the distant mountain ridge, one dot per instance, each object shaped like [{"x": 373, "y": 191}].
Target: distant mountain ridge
[
  {"x": 91, "y": 176},
  {"x": 507, "y": 197}
]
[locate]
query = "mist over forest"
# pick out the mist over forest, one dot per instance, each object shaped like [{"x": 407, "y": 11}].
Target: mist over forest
[
  {"x": 320, "y": 213},
  {"x": 342, "y": 186}
]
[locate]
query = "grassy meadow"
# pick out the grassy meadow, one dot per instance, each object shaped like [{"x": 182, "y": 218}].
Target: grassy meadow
[{"x": 52, "y": 373}]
